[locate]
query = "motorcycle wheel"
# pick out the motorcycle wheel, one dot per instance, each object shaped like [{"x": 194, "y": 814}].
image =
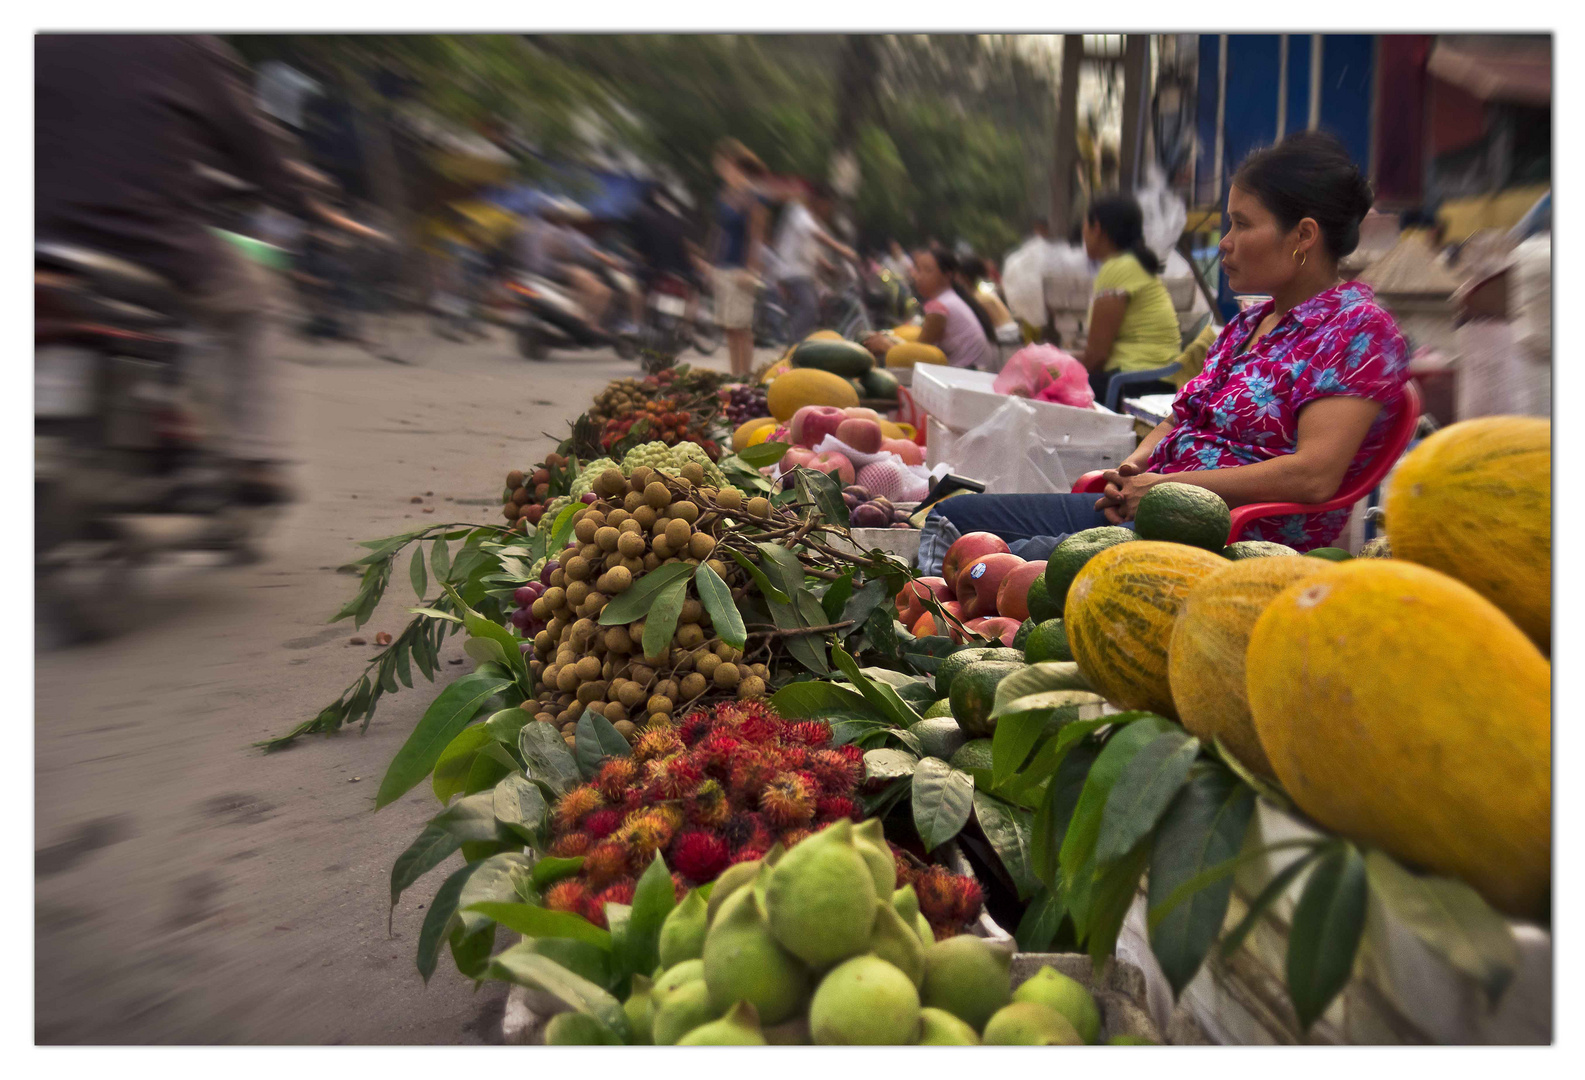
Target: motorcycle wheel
[
  {"x": 88, "y": 582},
  {"x": 706, "y": 338},
  {"x": 530, "y": 345}
]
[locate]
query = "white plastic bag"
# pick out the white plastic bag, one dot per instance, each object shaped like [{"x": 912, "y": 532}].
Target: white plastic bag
[
  {"x": 1164, "y": 213},
  {"x": 1010, "y": 454},
  {"x": 1023, "y": 274}
]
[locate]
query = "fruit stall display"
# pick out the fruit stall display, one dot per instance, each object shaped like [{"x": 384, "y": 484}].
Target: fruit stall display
[{"x": 693, "y": 688}]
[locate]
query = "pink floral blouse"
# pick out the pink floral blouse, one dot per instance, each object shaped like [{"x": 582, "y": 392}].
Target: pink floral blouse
[{"x": 1244, "y": 407}]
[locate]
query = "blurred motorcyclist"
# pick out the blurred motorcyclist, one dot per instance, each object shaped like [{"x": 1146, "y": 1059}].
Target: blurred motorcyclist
[
  {"x": 554, "y": 247},
  {"x": 120, "y": 122},
  {"x": 660, "y": 239},
  {"x": 800, "y": 235}
]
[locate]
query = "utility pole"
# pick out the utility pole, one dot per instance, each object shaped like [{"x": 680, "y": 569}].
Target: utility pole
[
  {"x": 1136, "y": 77},
  {"x": 1062, "y": 192}
]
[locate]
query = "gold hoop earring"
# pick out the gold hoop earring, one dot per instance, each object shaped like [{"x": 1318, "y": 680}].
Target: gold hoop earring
[{"x": 1302, "y": 256}]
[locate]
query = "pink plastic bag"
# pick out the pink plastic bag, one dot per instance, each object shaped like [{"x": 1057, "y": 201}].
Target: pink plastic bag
[{"x": 1046, "y": 373}]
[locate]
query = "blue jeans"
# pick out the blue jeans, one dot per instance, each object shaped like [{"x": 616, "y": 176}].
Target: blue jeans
[
  {"x": 803, "y": 306},
  {"x": 1031, "y": 524}
]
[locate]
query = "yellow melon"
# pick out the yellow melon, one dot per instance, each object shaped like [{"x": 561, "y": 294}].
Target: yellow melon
[
  {"x": 1475, "y": 502},
  {"x": 776, "y": 370},
  {"x": 1119, "y": 616},
  {"x": 808, "y": 386},
  {"x": 907, "y": 333},
  {"x": 825, "y": 335},
  {"x": 910, "y": 353},
  {"x": 1205, "y": 658},
  {"x": 763, "y": 433},
  {"x": 1401, "y": 708},
  {"x": 743, "y": 436}
]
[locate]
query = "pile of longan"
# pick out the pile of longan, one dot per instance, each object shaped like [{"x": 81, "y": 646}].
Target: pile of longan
[{"x": 639, "y": 523}]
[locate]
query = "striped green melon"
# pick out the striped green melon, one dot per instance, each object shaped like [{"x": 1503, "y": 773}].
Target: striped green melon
[
  {"x": 1120, "y": 614},
  {"x": 842, "y": 358}
]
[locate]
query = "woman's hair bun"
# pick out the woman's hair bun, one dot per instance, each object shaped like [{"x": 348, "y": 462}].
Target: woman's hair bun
[{"x": 1310, "y": 175}]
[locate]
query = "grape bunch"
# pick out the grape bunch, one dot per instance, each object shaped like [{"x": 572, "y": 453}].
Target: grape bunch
[{"x": 744, "y": 403}]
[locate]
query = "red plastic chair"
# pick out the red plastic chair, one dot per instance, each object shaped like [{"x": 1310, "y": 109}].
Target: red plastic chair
[{"x": 1392, "y": 449}]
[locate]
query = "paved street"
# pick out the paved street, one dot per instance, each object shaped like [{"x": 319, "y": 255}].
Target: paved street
[{"x": 192, "y": 890}]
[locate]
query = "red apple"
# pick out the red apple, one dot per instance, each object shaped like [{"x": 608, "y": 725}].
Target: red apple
[
  {"x": 979, "y": 581},
  {"x": 1012, "y": 599},
  {"x": 965, "y": 549},
  {"x": 910, "y": 603},
  {"x": 833, "y": 464},
  {"x": 996, "y": 627},
  {"x": 911, "y": 452},
  {"x": 796, "y": 456},
  {"x": 812, "y": 423},
  {"x": 861, "y": 434}
]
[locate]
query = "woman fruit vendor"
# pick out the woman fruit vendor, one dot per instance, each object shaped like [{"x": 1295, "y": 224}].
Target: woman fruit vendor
[
  {"x": 1298, "y": 392},
  {"x": 954, "y": 321},
  {"x": 1133, "y": 325}
]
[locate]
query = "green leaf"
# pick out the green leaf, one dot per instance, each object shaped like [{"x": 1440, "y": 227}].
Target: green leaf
[
  {"x": 433, "y": 847},
  {"x": 550, "y": 869},
  {"x": 1009, "y": 829},
  {"x": 1050, "y": 755},
  {"x": 783, "y": 568},
  {"x": 825, "y": 491},
  {"x": 716, "y": 597},
  {"x": 653, "y": 900},
  {"x": 404, "y": 669},
  {"x": 888, "y": 764},
  {"x": 812, "y": 699},
  {"x": 1227, "y": 868},
  {"x": 520, "y": 807},
  {"x": 661, "y": 622},
  {"x": 1038, "y": 928},
  {"x": 1055, "y": 813},
  {"x": 1452, "y": 920},
  {"x": 1204, "y": 826},
  {"x": 1147, "y": 784},
  {"x": 597, "y": 740},
  {"x": 1108, "y": 900},
  {"x": 471, "y": 819},
  {"x": 547, "y": 759},
  {"x": 484, "y": 651},
  {"x": 1012, "y": 740},
  {"x": 1268, "y": 896},
  {"x": 1078, "y": 849},
  {"x": 763, "y": 454},
  {"x": 437, "y": 920},
  {"x": 434, "y": 613},
  {"x": 878, "y": 694},
  {"x": 533, "y": 921},
  {"x": 562, "y": 527},
  {"x": 943, "y": 798},
  {"x": 635, "y": 603},
  {"x": 449, "y": 714},
  {"x": 836, "y": 596},
  {"x": 867, "y": 601},
  {"x": 1035, "y": 679},
  {"x": 506, "y": 726},
  {"x": 1328, "y": 923},
  {"x": 521, "y": 965},
  {"x": 440, "y": 559},
  {"x": 416, "y": 573},
  {"x": 1266, "y": 789},
  {"x": 496, "y": 880},
  {"x": 770, "y": 592}
]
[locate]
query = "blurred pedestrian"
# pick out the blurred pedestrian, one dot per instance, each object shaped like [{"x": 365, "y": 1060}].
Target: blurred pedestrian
[
  {"x": 799, "y": 238},
  {"x": 737, "y": 247}
]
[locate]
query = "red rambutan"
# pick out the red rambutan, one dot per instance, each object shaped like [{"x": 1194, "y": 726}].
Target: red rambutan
[
  {"x": 695, "y": 726},
  {"x": 643, "y": 835},
  {"x": 831, "y": 808},
  {"x": 946, "y": 898},
  {"x": 573, "y": 844},
  {"x": 835, "y": 773},
  {"x": 656, "y": 743},
  {"x": 811, "y": 733},
  {"x": 571, "y": 807},
  {"x": 793, "y": 757},
  {"x": 671, "y": 779},
  {"x": 787, "y": 800},
  {"x": 567, "y": 895},
  {"x": 604, "y": 863},
  {"x": 746, "y": 830},
  {"x": 792, "y": 837},
  {"x": 760, "y": 728},
  {"x": 752, "y": 769},
  {"x": 851, "y": 752},
  {"x": 618, "y": 892},
  {"x": 748, "y": 854},
  {"x": 699, "y": 856},
  {"x": 679, "y": 886},
  {"x": 614, "y": 778},
  {"x": 708, "y": 805},
  {"x": 602, "y": 823}
]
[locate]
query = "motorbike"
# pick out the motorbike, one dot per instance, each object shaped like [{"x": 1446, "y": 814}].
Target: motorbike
[
  {"x": 122, "y": 478},
  {"x": 548, "y": 316}
]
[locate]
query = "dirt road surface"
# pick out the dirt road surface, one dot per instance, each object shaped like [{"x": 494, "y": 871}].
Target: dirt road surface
[{"x": 190, "y": 889}]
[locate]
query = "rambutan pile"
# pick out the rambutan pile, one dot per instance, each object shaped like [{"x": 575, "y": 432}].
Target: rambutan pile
[
  {"x": 721, "y": 787},
  {"x": 948, "y": 901}
]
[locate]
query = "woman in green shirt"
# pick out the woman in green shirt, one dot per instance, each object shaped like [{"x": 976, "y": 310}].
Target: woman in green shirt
[{"x": 1133, "y": 325}]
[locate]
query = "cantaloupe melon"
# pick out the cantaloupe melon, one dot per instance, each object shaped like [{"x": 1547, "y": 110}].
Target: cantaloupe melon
[
  {"x": 1401, "y": 708},
  {"x": 746, "y": 430},
  {"x": 1119, "y": 617},
  {"x": 910, "y": 353},
  {"x": 1205, "y": 658},
  {"x": 808, "y": 386},
  {"x": 825, "y": 335},
  {"x": 910, "y": 332},
  {"x": 776, "y": 370},
  {"x": 1474, "y": 501}
]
